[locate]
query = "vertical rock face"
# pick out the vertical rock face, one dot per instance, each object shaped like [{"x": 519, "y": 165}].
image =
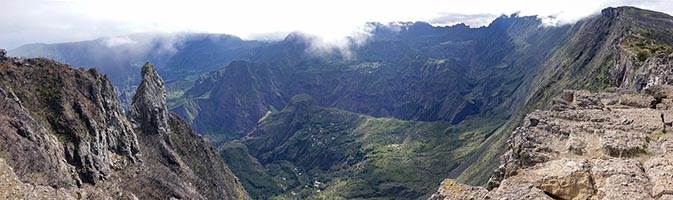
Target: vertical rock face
[
  {"x": 23, "y": 132},
  {"x": 148, "y": 112},
  {"x": 172, "y": 151},
  {"x": 63, "y": 132},
  {"x": 66, "y": 117}
]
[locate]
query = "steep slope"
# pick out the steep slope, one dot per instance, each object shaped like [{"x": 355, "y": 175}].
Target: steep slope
[
  {"x": 14, "y": 188},
  {"x": 610, "y": 145},
  {"x": 242, "y": 93},
  {"x": 622, "y": 47},
  {"x": 517, "y": 71},
  {"x": 306, "y": 151},
  {"x": 68, "y": 119},
  {"x": 172, "y": 151},
  {"x": 64, "y": 132},
  {"x": 412, "y": 72},
  {"x": 421, "y": 73},
  {"x": 455, "y": 75}
]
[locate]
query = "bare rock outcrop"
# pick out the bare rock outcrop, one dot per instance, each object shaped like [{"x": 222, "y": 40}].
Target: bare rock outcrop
[
  {"x": 69, "y": 119},
  {"x": 14, "y": 188},
  {"x": 172, "y": 151},
  {"x": 3, "y": 54},
  {"x": 148, "y": 112},
  {"x": 64, "y": 134},
  {"x": 610, "y": 145}
]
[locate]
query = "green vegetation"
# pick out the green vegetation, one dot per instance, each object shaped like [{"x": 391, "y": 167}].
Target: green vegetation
[
  {"x": 602, "y": 80},
  {"x": 655, "y": 136},
  {"x": 62, "y": 137},
  {"x": 643, "y": 55},
  {"x": 175, "y": 92},
  {"x": 445, "y": 99},
  {"x": 325, "y": 153},
  {"x": 646, "y": 47},
  {"x": 50, "y": 95}
]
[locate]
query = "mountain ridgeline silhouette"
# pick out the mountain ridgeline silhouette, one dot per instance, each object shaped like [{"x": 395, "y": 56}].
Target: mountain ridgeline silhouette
[{"x": 397, "y": 114}]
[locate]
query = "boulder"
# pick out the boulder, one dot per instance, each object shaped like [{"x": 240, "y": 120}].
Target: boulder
[
  {"x": 659, "y": 170},
  {"x": 3, "y": 54},
  {"x": 566, "y": 179}
]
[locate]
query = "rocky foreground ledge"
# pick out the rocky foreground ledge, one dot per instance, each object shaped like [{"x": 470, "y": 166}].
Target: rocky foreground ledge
[{"x": 610, "y": 145}]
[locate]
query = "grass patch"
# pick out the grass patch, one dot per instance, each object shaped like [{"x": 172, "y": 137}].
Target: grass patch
[{"x": 330, "y": 153}]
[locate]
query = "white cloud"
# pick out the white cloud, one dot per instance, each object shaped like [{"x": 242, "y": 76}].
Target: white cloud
[
  {"x": 342, "y": 45},
  {"x": 49, "y": 21},
  {"x": 117, "y": 41},
  {"x": 472, "y": 20}
]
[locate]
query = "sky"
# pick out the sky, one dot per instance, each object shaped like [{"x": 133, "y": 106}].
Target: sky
[{"x": 54, "y": 21}]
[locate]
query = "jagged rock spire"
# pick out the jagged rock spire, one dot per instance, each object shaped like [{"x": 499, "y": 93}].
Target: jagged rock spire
[{"x": 148, "y": 111}]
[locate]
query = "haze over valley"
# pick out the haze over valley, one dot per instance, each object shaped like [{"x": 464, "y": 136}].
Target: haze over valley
[{"x": 336, "y": 100}]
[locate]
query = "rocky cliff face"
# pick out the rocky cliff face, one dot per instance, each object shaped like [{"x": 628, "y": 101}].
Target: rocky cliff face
[
  {"x": 179, "y": 162},
  {"x": 63, "y": 131},
  {"x": 592, "y": 146},
  {"x": 609, "y": 145},
  {"x": 68, "y": 119},
  {"x": 623, "y": 47}
]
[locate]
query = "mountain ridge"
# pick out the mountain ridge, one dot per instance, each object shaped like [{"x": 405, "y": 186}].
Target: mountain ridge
[
  {"x": 583, "y": 56},
  {"x": 482, "y": 82},
  {"x": 65, "y": 133},
  {"x": 375, "y": 82},
  {"x": 595, "y": 67}
]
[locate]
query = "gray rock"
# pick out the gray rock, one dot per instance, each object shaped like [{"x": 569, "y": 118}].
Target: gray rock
[
  {"x": 566, "y": 179},
  {"x": 29, "y": 142},
  {"x": 64, "y": 128},
  {"x": 512, "y": 189},
  {"x": 172, "y": 151},
  {"x": 660, "y": 173},
  {"x": 576, "y": 145},
  {"x": 619, "y": 178},
  {"x": 14, "y": 188},
  {"x": 3, "y": 54},
  {"x": 148, "y": 112},
  {"x": 452, "y": 190},
  {"x": 70, "y": 118},
  {"x": 593, "y": 151},
  {"x": 621, "y": 144}
]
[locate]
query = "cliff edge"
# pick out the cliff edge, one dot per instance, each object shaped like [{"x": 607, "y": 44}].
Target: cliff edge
[{"x": 609, "y": 145}]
